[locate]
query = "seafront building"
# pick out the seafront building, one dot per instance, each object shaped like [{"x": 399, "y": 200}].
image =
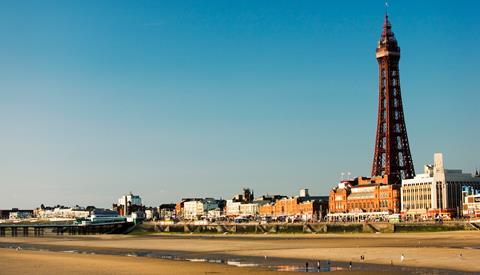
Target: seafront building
[
  {"x": 243, "y": 204},
  {"x": 61, "y": 212},
  {"x": 198, "y": 209},
  {"x": 376, "y": 196},
  {"x": 20, "y": 215},
  {"x": 129, "y": 204},
  {"x": 237, "y": 208},
  {"x": 436, "y": 192},
  {"x": 180, "y": 205},
  {"x": 167, "y": 211},
  {"x": 15, "y": 213},
  {"x": 303, "y": 207},
  {"x": 471, "y": 206}
]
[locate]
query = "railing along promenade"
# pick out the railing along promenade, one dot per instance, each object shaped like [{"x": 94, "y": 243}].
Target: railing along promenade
[{"x": 306, "y": 227}]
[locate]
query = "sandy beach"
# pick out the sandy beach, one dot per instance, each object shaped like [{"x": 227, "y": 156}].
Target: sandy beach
[
  {"x": 458, "y": 251},
  {"x": 35, "y": 262}
]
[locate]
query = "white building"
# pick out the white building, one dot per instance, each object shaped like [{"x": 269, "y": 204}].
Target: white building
[
  {"x": 215, "y": 213},
  {"x": 19, "y": 215},
  {"x": 249, "y": 209},
  {"x": 471, "y": 206},
  {"x": 196, "y": 209},
  {"x": 149, "y": 214},
  {"x": 232, "y": 208},
  {"x": 237, "y": 208},
  {"x": 438, "y": 191},
  {"x": 61, "y": 212},
  {"x": 129, "y": 203}
]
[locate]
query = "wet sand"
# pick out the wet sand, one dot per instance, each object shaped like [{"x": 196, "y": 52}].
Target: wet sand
[
  {"x": 445, "y": 250},
  {"x": 38, "y": 262}
]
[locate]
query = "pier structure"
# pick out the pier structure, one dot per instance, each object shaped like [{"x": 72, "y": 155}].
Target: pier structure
[{"x": 39, "y": 229}]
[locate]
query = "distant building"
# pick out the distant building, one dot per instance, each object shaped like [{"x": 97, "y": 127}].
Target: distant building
[
  {"x": 61, "y": 212},
  {"x": 15, "y": 214},
  {"x": 471, "y": 206},
  {"x": 151, "y": 213},
  {"x": 198, "y": 209},
  {"x": 166, "y": 211},
  {"x": 304, "y": 193},
  {"x": 365, "y": 195},
  {"x": 438, "y": 191},
  {"x": 179, "y": 207},
  {"x": 246, "y": 196},
  {"x": 5, "y": 214},
  {"x": 239, "y": 208},
  {"x": 244, "y": 204},
  {"x": 214, "y": 214},
  {"x": 304, "y": 207},
  {"x": 129, "y": 204},
  {"x": 20, "y": 214}
]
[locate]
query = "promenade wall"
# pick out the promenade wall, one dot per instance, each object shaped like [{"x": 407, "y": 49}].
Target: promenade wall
[{"x": 153, "y": 227}]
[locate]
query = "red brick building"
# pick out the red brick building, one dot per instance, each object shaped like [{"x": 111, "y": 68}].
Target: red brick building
[
  {"x": 361, "y": 195},
  {"x": 307, "y": 208}
]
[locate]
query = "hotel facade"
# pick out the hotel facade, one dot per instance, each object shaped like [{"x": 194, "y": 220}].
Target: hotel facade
[{"x": 364, "y": 195}]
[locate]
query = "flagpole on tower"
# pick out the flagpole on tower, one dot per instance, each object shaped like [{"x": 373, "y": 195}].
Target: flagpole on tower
[{"x": 386, "y": 7}]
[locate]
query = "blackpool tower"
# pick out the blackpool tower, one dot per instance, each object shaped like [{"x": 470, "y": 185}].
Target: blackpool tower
[{"x": 392, "y": 152}]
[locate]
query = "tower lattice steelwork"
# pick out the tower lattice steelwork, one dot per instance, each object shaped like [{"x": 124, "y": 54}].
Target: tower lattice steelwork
[{"x": 392, "y": 151}]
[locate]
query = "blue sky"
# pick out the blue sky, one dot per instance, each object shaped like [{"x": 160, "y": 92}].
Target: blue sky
[{"x": 171, "y": 99}]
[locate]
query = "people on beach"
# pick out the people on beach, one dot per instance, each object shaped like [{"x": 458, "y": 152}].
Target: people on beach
[
  {"x": 318, "y": 265},
  {"x": 306, "y": 267},
  {"x": 350, "y": 265},
  {"x": 402, "y": 258}
]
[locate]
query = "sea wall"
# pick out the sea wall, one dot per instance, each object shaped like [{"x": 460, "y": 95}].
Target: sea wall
[{"x": 153, "y": 227}]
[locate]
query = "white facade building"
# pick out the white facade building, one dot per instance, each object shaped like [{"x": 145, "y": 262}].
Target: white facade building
[
  {"x": 149, "y": 214},
  {"x": 438, "y": 191},
  {"x": 61, "y": 213},
  {"x": 196, "y": 209},
  {"x": 129, "y": 203},
  {"x": 234, "y": 208},
  {"x": 19, "y": 215},
  {"x": 215, "y": 213},
  {"x": 249, "y": 209},
  {"x": 130, "y": 199},
  {"x": 471, "y": 206}
]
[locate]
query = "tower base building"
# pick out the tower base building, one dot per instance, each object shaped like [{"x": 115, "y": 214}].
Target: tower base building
[{"x": 366, "y": 197}]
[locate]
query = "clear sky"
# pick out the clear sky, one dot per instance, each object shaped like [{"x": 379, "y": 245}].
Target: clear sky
[{"x": 172, "y": 99}]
